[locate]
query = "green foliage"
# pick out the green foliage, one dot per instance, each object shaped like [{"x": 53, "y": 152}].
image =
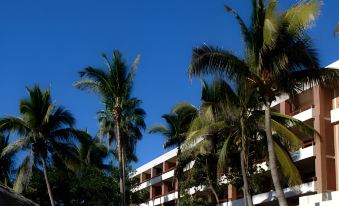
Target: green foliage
[
  {"x": 91, "y": 187},
  {"x": 189, "y": 200}
]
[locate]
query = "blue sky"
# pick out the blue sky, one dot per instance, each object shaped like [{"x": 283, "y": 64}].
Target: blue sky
[{"x": 48, "y": 42}]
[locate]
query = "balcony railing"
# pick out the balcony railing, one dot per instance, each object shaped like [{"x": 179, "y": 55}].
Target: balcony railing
[{"x": 301, "y": 109}]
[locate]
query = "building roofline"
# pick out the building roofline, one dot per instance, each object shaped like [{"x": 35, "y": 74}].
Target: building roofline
[
  {"x": 158, "y": 160},
  {"x": 334, "y": 65}
]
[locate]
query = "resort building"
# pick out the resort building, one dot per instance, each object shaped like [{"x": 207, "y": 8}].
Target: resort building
[{"x": 317, "y": 160}]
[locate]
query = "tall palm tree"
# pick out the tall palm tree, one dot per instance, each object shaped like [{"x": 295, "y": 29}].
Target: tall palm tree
[
  {"x": 279, "y": 58},
  {"x": 178, "y": 122},
  {"x": 6, "y": 162},
  {"x": 114, "y": 86},
  {"x": 225, "y": 117},
  {"x": 43, "y": 128}
]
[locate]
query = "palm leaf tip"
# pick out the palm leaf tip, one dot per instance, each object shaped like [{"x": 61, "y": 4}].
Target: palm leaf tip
[{"x": 228, "y": 8}]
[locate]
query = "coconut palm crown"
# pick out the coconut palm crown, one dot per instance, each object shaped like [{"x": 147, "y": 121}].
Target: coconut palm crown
[
  {"x": 178, "y": 121},
  {"x": 42, "y": 128}
]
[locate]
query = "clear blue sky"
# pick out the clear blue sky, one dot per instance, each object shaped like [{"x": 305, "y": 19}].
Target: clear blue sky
[{"x": 48, "y": 42}]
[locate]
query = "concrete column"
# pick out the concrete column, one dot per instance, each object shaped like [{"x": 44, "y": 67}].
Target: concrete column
[
  {"x": 285, "y": 108},
  {"x": 232, "y": 192},
  {"x": 164, "y": 188},
  {"x": 335, "y": 105},
  {"x": 142, "y": 177},
  {"x": 320, "y": 146},
  {"x": 152, "y": 192},
  {"x": 336, "y": 148},
  {"x": 165, "y": 166},
  {"x": 153, "y": 172}
]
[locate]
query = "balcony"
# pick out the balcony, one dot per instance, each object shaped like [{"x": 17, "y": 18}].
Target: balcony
[
  {"x": 270, "y": 196},
  {"x": 335, "y": 115},
  {"x": 304, "y": 113},
  {"x": 162, "y": 199},
  {"x": 155, "y": 180},
  {"x": 328, "y": 198},
  {"x": 298, "y": 155}
]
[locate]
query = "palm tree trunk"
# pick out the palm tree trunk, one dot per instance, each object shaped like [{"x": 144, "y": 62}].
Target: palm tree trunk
[
  {"x": 247, "y": 194},
  {"x": 124, "y": 160},
  {"x": 6, "y": 181},
  {"x": 47, "y": 182},
  {"x": 121, "y": 165},
  {"x": 210, "y": 181},
  {"x": 272, "y": 158},
  {"x": 214, "y": 193}
]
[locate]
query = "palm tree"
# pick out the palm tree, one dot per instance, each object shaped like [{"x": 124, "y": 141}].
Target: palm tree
[
  {"x": 279, "y": 58},
  {"x": 225, "y": 117},
  {"x": 233, "y": 117},
  {"x": 114, "y": 85},
  {"x": 178, "y": 122},
  {"x": 6, "y": 162},
  {"x": 43, "y": 128},
  {"x": 92, "y": 153}
]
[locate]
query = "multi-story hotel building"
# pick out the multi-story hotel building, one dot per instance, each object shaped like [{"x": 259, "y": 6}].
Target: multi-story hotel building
[{"x": 317, "y": 160}]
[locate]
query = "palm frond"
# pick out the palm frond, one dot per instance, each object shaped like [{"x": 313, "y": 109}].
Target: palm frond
[
  {"x": 19, "y": 144},
  {"x": 49, "y": 113},
  {"x": 24, "y": 174},
  {"x": 243, "y": 28},
  {"x": 223, "y": 155},
  {"x": 67, "y": 135},
  {"x": 13, "y": 124},
  {"x": 88, "y": 85},
  {"x": 287, "y": 166},
  {"x": 271, "y": 23},
  {"x": 68, "y": 154},
  {"x": 162, "y": 129},
  {"x": 302, "y": 15},
  {"x": 294, "y": 123},
  {"x": 210, "y": 60},
  {"x": 205, "y": 130},
  {"x": 287, "y": 134},
  {"x": 134, "y": 65},
  {"x": 60, "y": 118}
]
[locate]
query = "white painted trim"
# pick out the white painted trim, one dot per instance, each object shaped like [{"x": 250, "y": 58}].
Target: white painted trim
[
  {"x": 162, "y": 199},
  {"x": 334, "y": 65},
  {"x": 155, "y": 162},
  {"x": 154, "y": 180},
  {"x": 305, "y": 115}
]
